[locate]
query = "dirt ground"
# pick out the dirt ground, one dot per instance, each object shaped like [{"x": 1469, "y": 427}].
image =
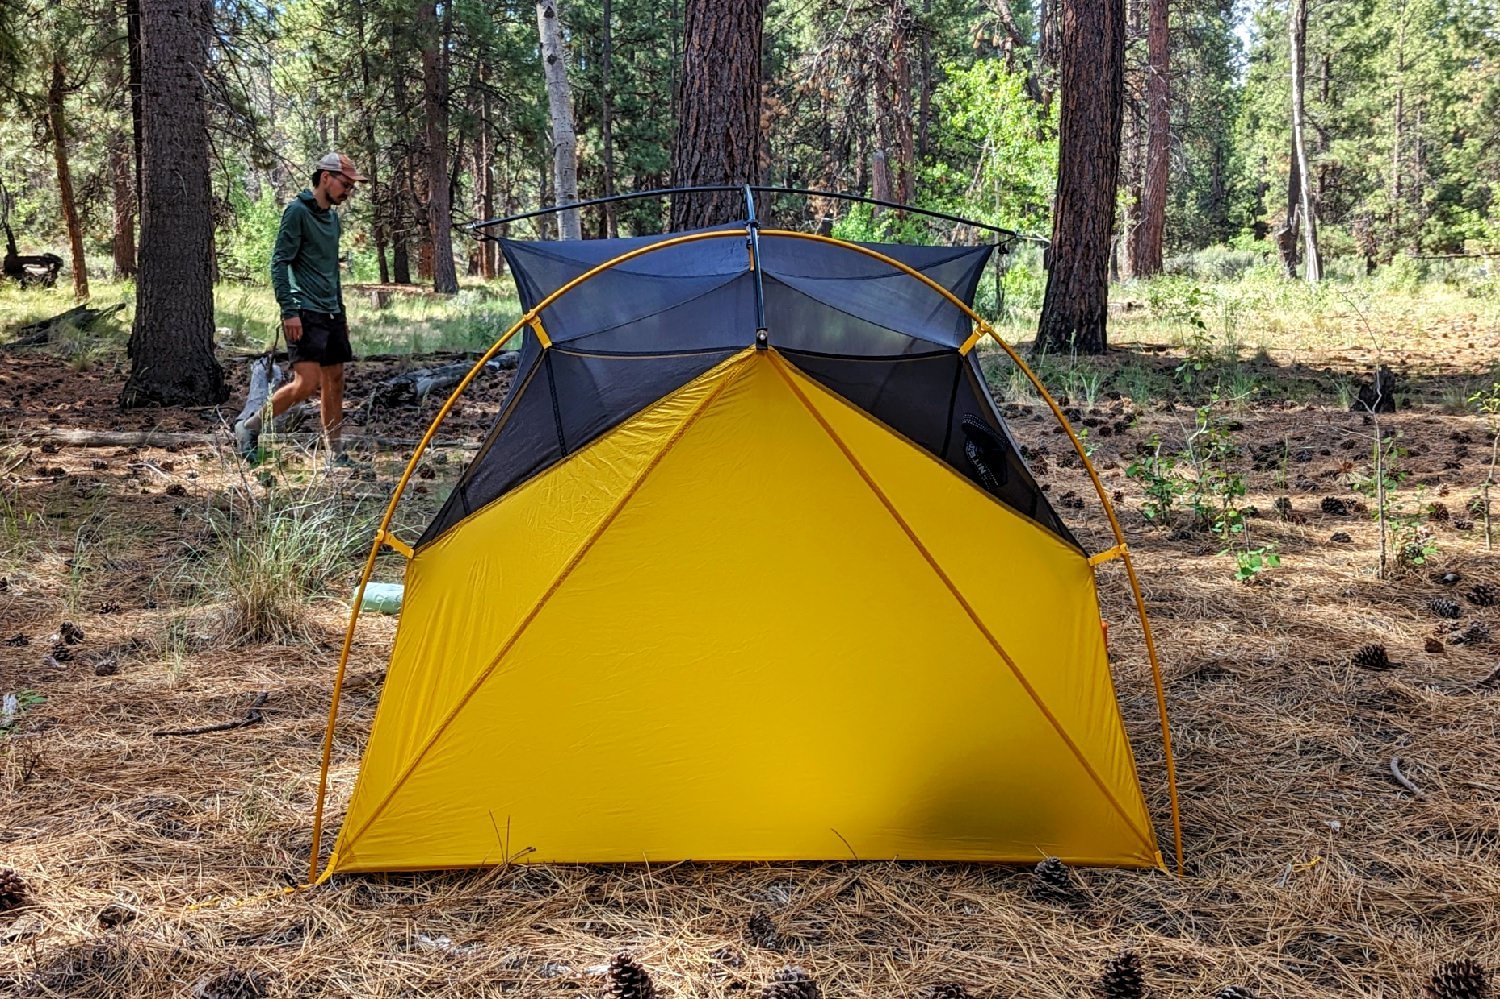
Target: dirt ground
[{"x": 1341, "y": 824}]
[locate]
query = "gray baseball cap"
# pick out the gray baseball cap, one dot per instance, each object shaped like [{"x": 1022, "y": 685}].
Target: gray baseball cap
[{"x": 339, "y": 163}]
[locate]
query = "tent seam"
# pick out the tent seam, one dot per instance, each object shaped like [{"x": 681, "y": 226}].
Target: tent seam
[
  {"x": 967, "y": 607},
  {"x": 557, "y": 583}
]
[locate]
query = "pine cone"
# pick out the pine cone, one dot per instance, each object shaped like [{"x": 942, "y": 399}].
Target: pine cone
[
  {"x": 760, "y": 931},
  {"x": 1483, "y": 595},
  {"x": 233, "y": 983},
  {"x": 1462, "y": 525},
  {"x": 1123, "y": 978},
  {"x": 1461, "y": 979},
  {"x": 1334, "y": 505},
  {"x": 790, "y": 983},
  {"x": 1055, "y": 881},
  {"x": 13, "y": 890},
  {"x": 1443, "y": 607},
  {"x": 628, "y": 980},
  {"x": 1437, "y": 512},
  {"x": 1234, "y": 992},
  {"x": 1373, "y": 657},
  {"x": 1475, "y": 633},
  {"x": 948, "y": 990}
]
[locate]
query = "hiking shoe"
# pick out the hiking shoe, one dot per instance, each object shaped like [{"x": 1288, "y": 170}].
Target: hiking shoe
[{"x": 246, "y": 442}]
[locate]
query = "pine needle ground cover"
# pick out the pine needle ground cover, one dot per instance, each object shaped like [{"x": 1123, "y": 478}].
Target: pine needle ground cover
[{"x": 1341, "y": 821}]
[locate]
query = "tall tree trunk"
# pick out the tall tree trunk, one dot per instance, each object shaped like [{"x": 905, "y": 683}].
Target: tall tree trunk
[
  {"x": 484, "y": 173},
  {"x": 1147, "y": 251},
  {"x": 435, "y": 106},
  {"x": 398, "y": 189},
  {"x": 896, "y": 122},
  {"x": 120, "y": 161},
  {"x": 172, "y": 343},
  {"x": 1288, "y": 236},
  {"x": 366, "y": 114},
  {"x": 606, "y": 120},
  {"x": 560, "y": 106},
  {"x": 120, "y": 173},
  {"x": 718, "y": 126},
  {"x": 57, "y": 124},
  {"x": 1312, "y": 265},
  {"x": 1075, "y": 306},
  {"x": 1049, "y": 49},
  {"x": 924, "y": 81},
  {"x": 1132, "y": 145},
  {"x": 1398, "y": 139},
  {"x": 133, "y": 60}
]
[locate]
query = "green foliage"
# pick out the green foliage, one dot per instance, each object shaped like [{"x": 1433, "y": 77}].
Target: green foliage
[
  {"x": 245, "y": 246},
  {"x": 1218, "y": 486},
  {"x": 1157, "y": 473},
  {"x": 1251, "y": 562},
  {"x": 997, "y": 157},
  {"x": 270, "y": 554}
]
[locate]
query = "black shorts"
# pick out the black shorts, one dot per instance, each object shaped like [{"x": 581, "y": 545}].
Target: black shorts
[{"x": 325, "y": 339}]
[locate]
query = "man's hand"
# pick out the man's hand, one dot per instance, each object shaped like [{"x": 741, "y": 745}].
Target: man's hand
[{"x": 292, "y": 327}]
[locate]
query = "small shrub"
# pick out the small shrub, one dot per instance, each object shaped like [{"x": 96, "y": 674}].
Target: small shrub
[{"x": 272, "y": 554}]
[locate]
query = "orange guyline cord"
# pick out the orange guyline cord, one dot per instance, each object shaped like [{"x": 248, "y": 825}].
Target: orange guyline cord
[{"x": 531, "y": 319}]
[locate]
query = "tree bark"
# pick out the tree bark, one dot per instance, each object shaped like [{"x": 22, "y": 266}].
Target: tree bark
[
  {"x": 57, "y": 124},
  {"x": 366, "y": 112},
  {"x": 1049, "y": 55},
  {"x": 172, "y": 343},
  {"x": 1132, "y": 147},
  {"x": 133, "y": 60},
  {"x": 560, "y": 107},
  {"x": 1075, "y": 306},
  {"x": 435, "y": 106},
  {"x": 399, "y": 187},
  {"x": 1149, "y": 236},
  {"x": 718, "y": 129},
  {"x": 123, "y": 245},
  {"x": 120, "y": 160},
  {"x": 1312, "y": 264}
]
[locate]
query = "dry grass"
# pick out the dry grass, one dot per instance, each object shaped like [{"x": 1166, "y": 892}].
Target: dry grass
[{"x": 1311, "y": 872}]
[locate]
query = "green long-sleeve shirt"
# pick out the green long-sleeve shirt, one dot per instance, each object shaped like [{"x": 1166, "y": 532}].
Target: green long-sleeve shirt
[{"x": 305, "y": 261}]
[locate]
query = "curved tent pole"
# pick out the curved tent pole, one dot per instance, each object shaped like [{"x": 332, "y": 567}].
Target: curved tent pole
[
  {"x": 383, "y": 535},
  {"x": 1006, "y": 237},
  {"x": 1121, "y": 550},
  {"x": 532, "y": 318}
]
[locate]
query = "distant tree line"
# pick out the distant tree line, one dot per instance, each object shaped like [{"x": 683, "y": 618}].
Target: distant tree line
[{"x": 1125, "y": 131}]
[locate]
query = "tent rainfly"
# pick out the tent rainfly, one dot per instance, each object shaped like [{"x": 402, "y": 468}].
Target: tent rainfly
[{"x": 749, "y": 568}]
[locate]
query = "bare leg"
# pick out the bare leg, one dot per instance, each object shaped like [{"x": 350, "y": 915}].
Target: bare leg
[
  {"x": 304, "y": 383},
  {"x": 332, "y": 400}
]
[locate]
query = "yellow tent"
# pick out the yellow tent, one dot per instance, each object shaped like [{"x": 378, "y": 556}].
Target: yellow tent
[{"x": 710, "y": 592}]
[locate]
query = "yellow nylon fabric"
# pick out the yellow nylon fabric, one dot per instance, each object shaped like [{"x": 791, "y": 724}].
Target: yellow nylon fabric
[{"x": 750, "y": 623}]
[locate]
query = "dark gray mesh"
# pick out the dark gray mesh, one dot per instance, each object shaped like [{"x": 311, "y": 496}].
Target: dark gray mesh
[
  {"x": 938, "y": 402},
  {"x": 560, "y": 402},
  {"x": 640, "y": 330}
]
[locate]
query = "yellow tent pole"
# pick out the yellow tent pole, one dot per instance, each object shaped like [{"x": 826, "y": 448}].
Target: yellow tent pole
[
  {"x": 1135, "y": 587},
  {"x": 531, "y": 318}
]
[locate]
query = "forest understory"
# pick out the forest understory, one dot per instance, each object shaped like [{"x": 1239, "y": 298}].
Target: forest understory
[{"x": 1340, "y": 806}]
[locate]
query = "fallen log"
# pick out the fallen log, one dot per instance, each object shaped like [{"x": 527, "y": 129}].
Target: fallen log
[
  {"x": 411, "y": 388},
  {"x": 163, "y": 438},
  {"x": 38, "y": 333}
]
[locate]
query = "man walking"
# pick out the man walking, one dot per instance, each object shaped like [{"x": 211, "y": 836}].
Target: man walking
[{"x": 305, "y": 275}]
